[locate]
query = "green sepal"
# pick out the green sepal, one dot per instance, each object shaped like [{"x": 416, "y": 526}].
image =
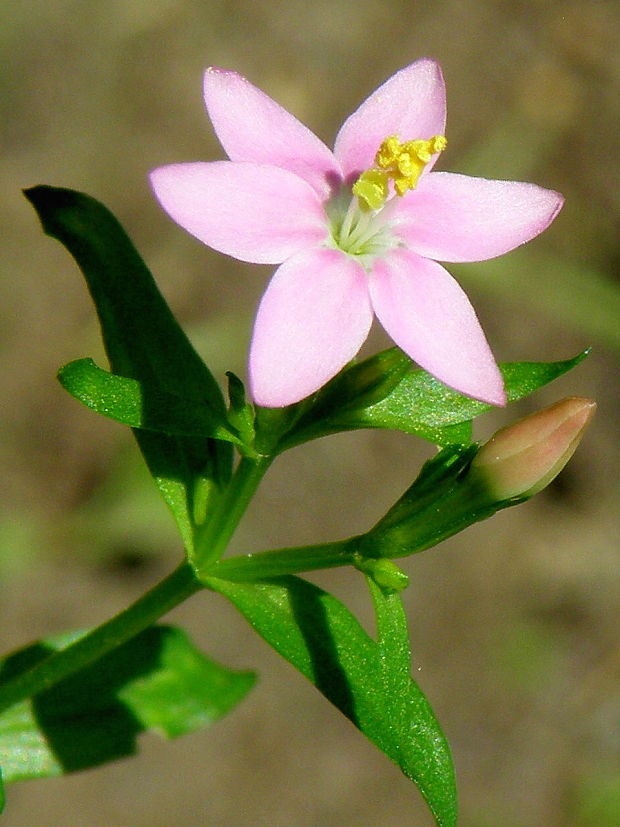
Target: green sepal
[
  {"x": 413, "y": 402},
  {"x": 363, "y": 384},
  {"x": 157, "y": 682},
  {"x": 144, "y": 342},
  {"x": 320, "y": 637},
  {"x": 443, "y": 500},
  {"x": 384, "y": 573},
  {"x": 241, "y": 413}
]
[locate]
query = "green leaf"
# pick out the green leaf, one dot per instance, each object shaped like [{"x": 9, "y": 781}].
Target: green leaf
[
  {"x": 326, "y": 643},
  {"x": 155, "y": 682},
  {"x": 421, "y": 405},
  {"x": 523, "y": 378},
  {"x": 125, "y": 401},
  {"x": 410, "y": 708},
  {"x": 143, "y": 342}
]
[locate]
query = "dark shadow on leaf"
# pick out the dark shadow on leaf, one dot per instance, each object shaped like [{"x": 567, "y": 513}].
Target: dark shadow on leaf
[
  {"x": 184, "y": 458},
  {"x": 23, "y": 659},
  {"x": 327, "y": 672},
  {"x": 82, "y": 718}
]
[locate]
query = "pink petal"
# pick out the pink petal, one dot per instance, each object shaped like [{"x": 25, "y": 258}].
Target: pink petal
[
  {"x": 312, "y": 320},
  {"x": 458, "y": 218},
  {"x": 253, "y": 127},
  {"x": 410, "y": 104},
  {"x": 254, "y": 213},
  {"x": 429, "y": 317}
]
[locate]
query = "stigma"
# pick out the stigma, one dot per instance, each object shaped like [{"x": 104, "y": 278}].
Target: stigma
[{"x": 401, "y": 163}]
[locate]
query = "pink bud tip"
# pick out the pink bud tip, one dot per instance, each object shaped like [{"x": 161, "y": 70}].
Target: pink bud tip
[{"x": 522, "y": 458}]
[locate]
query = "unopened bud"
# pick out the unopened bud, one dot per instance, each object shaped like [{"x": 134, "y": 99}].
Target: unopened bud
[
  {"x": 366, "y": 383},
  {"x": 463, "y": 485},
  {"x": 522, "y": 458}
]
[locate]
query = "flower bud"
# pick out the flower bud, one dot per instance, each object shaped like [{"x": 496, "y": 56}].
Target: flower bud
[
  {"x": 365, "y": 383},
  {"x": 463, "y": 485},
  {"x": 522, "y": 458}
]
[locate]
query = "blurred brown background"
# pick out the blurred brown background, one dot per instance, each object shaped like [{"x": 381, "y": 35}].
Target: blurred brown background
[{"x": 515, "y": 622}]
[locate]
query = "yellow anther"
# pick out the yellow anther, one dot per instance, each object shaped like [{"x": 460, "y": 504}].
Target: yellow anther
[
  {"x": 388, "y": 152},
  {"x": 372, "y": 188},
  {"x": 439, "y": 143},
  {"x": 403, "y": 163}
]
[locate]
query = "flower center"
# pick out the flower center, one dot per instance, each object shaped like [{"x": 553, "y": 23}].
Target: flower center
[
  {"x": 361, "y": 233},
  {"x": 360, "y": 225}
]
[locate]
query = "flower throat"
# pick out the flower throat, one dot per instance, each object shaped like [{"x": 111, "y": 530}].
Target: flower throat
[{"x": 359, "y": 225}]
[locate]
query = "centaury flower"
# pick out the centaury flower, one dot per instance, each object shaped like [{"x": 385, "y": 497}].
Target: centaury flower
[{"x": 356, "y": 232}]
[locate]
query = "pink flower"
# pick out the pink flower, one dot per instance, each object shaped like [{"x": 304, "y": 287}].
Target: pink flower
[{"x": 355, "y": 231}]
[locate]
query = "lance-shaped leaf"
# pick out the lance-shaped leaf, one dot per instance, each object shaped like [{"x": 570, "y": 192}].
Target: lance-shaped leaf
[
  {"x": 155, "y": 682},
  {"x": 410, "y": 707},
  {"x": 143, "y": 342},
  {"x": 326, "y": 643},
  {"x": 126, "y": 401},
  {"x": 416, "y": 403}
]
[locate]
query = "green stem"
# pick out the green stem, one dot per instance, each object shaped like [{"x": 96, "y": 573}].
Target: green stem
[
  {"x": 286, "y": 561},
  {"x": 440, "y": 503},
  {"x": 167, "y": 594},
  {"x": 214, "y": 536}
]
